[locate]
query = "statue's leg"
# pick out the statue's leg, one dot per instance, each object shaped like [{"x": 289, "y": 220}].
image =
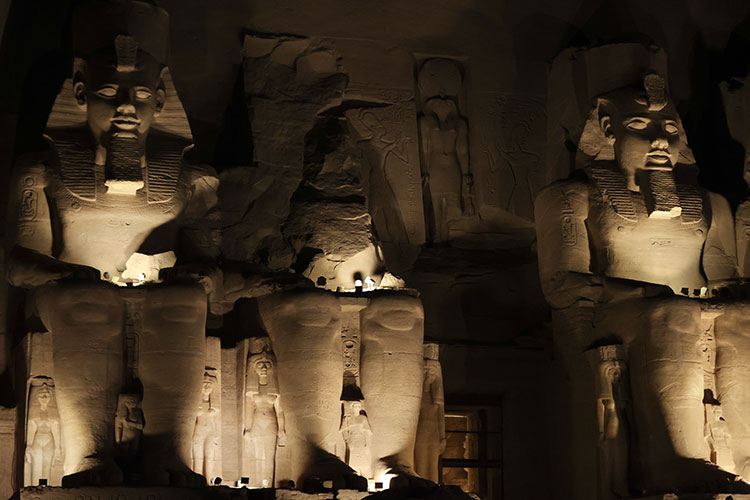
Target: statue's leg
[
  {"x": 171, "y": 361},
  {"x": 305, "y": 331},
  {"x": 392, "y": 371},
  {"x": 198, "y": 442},
  {"x": 666, "y": 378},
  {"x": 86, "y": 322},
  {"x": 733, "y": 381},
  {"x": 37, "y": 465}
]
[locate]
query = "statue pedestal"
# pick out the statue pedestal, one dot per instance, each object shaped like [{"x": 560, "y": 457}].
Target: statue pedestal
[
  {"x": 157, "y": 493},
  {"x": 696, "y": 496}
]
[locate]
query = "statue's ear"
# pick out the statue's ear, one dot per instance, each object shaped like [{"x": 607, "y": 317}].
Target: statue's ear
[
  {"x": 161, "y": 93},
  {"x": 605, "y": 120},
  {"x": 79, "y": 87}
]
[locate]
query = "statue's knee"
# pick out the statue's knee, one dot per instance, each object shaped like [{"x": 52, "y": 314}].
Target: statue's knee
[
  {"x": 674, "y": 315},
  {"x": 178, "y": 304},
  {"x": 399, "y": 312},
  {"x": 307, "y": 308}
]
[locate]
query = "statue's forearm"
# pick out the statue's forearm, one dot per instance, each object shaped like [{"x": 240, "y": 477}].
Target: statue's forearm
[{"x": 29, "y": 269}]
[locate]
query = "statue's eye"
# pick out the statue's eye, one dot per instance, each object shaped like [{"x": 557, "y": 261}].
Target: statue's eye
[
  {"x": 671, "y": 128},
  {"x": 142, "y": 94},
  {"x": 107, "y": 92},
  {"x": 637, "y": 124}
]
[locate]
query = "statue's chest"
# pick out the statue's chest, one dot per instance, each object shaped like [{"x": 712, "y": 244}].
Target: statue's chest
[{"x": 647, "y": 235}]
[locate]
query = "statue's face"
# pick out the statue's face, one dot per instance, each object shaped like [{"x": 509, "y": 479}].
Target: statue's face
[
  {"x": 120, "y": 103},
  {"x": 44, "y": 396},
  {"x": 208, "y": 385},
  {"x": 643, "y": 139},
  {"x": 262, "y": 368}
]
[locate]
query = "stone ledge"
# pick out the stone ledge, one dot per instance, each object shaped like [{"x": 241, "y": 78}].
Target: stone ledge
[{"x": 697, "y": 496}]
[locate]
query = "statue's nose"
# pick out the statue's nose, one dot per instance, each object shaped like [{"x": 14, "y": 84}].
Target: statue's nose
[
  {"x": 660, "y": 143},
  {"x": 126, "y": 108}
]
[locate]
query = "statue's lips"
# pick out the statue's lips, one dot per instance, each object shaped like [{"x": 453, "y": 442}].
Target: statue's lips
[
  {"x": 126, "y": 123},
  {"x": 658, "y": 160}
]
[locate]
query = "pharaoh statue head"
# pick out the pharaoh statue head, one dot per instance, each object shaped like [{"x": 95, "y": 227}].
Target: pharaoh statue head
[
  {"x": 637, "y": 127},
  {"x": 641, "y": 124},
  {"x": 261, "y": 367},
  {"x": 120, "y": 50}
]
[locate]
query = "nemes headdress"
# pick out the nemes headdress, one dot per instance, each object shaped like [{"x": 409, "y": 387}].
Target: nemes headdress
[
  {"x": 579, "y": 78},
  {"x": 128, "y": 25}
]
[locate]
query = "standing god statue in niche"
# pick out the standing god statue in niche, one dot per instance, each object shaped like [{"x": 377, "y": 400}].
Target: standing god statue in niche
[
  {"x": 357, "y": 435},
  {"x": 630, "y": 238},
  {"x": 445, "y": 147},
  {"x": 431, "y": 440},
  {"x": 105, "y": 195},
  {"x": 129, "y": 425},
  {"x": 264, "y": 419},
  {"x": 43, "y": 444},
  {"x": 206, "y": 436}
]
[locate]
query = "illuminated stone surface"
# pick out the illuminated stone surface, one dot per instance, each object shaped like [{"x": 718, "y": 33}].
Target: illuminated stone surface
[{"x": 629, "y": 248}]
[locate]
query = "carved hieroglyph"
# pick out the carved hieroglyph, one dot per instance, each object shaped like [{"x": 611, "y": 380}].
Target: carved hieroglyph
[
  {"x": 431, "y": 431},
  {"x": 44, "y": 451},
  {"x": 630, "y": 246},
  {"x": 264, "y": 427},
  {"x": 507, "y": 151}
]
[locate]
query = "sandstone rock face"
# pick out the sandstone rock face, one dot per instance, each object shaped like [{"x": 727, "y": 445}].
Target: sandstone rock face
[{"x": 629, "y": 249}]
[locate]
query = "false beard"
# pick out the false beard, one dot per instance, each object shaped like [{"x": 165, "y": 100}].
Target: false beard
[
  {"x": 659, "y": 193},
  {"x": 124, "y": 175}
]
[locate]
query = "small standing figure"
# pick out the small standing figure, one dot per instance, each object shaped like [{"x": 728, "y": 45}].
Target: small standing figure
[
  {"x": 264, "y": 419},
  {"x": 431, "y": 442},
  {"x": 206, "y": 434},
  {"x": 613, "y": 405},
  {"x": 356, "y": 433},
  {"x": 444, "y": 134},
  {"x": 43, "y": 445},
  {"x": 129, "y": 423}
]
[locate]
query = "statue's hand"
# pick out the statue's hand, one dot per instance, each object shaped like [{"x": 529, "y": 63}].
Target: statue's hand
[
  {"x": 281, "y": 440},
  {"x": 202, "y": 273},
  {"x": 27, "y": 457},
  {"x": 83, "y": 273},
  {"x": 37, "y": 272},
  {"x": 443, "y": 444}
]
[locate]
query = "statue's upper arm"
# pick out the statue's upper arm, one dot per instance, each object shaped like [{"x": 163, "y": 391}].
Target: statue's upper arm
[
  {"x": 29, "y": 212},
  {"x": 720, "y": 249},
  {"x": 561, "y": 210}
]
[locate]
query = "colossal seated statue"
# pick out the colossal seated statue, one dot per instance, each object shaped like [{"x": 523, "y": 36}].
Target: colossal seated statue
[
  {"x": 103, "y": 197},
  {"x": 629, "y": 249}
]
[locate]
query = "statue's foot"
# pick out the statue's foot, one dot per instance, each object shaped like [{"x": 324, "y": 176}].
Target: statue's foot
[
  {"x": 404, "y": 477},
  {"x": 94, "y": 471},
  {"x": 335, "y": 481},
  {"x": 186, "y": 478}
]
